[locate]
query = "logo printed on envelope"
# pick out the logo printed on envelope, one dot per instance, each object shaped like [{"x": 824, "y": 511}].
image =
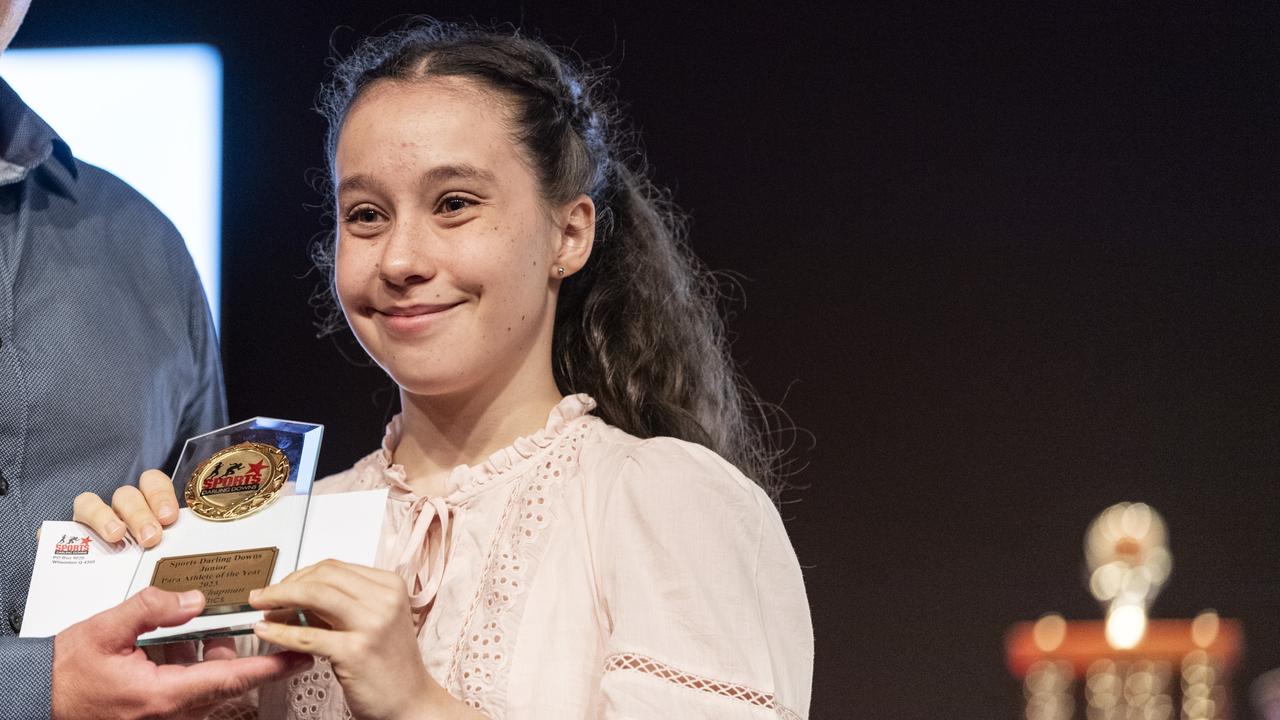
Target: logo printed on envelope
[{"x": 72, "y": 549}]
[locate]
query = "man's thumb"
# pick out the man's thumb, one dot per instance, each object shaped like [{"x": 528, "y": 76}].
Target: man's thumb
[{"x": 146, "y": 611}]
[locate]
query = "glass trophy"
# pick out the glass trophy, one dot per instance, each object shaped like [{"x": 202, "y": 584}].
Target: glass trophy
[{"x": 246, "y": 490}]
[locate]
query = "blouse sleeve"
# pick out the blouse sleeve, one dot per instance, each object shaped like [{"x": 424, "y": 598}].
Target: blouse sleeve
[{"x": 702, "y": 591}]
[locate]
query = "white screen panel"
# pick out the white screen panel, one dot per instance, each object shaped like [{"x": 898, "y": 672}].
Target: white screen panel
[{"x": 151, "y": 114}]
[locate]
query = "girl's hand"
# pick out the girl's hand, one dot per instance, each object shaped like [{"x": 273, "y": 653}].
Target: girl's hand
[
  {"x": 360, "y": 620},
  {"x": 143, "y": 509}
]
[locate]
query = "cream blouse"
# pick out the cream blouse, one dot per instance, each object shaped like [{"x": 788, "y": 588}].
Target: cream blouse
[{"x": 586, "y": 573}]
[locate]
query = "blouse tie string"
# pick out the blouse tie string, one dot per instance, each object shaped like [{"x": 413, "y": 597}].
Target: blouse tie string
[{"x": 422, "y": 569}]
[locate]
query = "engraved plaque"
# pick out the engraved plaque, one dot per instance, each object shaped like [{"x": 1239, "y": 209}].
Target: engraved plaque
[{"x": 225, "y": 578}]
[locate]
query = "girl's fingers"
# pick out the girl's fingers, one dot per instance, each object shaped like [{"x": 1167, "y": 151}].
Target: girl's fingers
[
  {"x": 313, "y": 640},
  {"x": 289, "y": 616},
  {"x": 284, "y": 616},
  {"x": 343, "y": 575},
  {"x": 91, "y": 511},
  {"x": 379, "y": 594},
  {"x": 158, "y": 490},
  {"x": 385, "y": 578},
  {"x": 334, "y": 606}
]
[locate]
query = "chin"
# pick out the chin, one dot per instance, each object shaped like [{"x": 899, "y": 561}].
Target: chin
[
  {"x": 417, "y": 370},
  {"x": 431, "y": 384}
]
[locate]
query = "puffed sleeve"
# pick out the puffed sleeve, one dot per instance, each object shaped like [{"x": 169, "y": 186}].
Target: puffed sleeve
[{"x": 702, "y": 591}]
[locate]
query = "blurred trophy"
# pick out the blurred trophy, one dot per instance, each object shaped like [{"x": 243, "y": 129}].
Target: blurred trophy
[
  {"x": 1127, "y": 666},
  {"x": 1126, "y": 551}
]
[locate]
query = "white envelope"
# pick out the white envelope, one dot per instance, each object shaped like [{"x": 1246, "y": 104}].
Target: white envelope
[{"x": 78, "y": 575}]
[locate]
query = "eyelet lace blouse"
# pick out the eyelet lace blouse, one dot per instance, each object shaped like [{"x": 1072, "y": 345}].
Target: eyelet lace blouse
[{"x": 585, "y": 573}]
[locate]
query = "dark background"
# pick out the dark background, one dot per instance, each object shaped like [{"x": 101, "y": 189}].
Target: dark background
[{"x": 1007, "y": 265}]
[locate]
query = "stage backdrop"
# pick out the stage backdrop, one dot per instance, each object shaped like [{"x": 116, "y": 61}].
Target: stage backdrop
[{"x": 1005, "y": 267}]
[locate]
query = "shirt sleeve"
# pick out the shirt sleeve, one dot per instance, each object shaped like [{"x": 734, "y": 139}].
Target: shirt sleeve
[
  {"x": 27, "y": 663},
  {"x": 703, "y": 593}
]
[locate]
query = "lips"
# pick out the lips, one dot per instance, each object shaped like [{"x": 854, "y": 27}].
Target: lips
[
  {"x": 405, "y": 319},
  {"x": 415, "y": 310}
]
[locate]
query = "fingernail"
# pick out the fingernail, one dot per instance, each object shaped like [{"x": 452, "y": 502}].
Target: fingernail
[
  {"x": 260, "y": 628},
  {"x": 191, "y": 599},
  {"x": 166, "y": 511},
  {"x": 149, "y": 531},
  {"x": 253, "y": 595},
  {"x": 115, "y": 527}
]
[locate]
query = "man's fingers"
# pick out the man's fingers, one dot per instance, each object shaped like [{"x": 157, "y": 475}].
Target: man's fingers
[
  {"x": 180, "y": 653},
  {"x": 154, "y": 653},
  {"x": 119, "y": 627},
  {"x": 206, "y": 683},
  {"x": 219, "y": 649},
  {"x": 157, "y": 488},
  {"x": 134, "y": 510},
  {"x": 91, "y": 511}
]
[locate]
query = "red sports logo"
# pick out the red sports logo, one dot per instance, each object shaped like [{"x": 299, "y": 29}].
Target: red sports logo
[
  {"x": 73, "y": 545},
  {"x": 231, "y": 480}
]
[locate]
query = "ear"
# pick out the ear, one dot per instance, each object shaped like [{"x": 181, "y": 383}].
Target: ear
[{"x": 577, "y": 226}]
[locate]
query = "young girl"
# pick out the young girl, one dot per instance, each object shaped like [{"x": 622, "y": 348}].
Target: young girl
[{"x": 570, "y": 532}]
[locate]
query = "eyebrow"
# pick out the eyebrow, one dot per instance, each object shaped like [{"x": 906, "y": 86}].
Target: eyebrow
[
  {"x": 436, "y": 175},
  {"x": 459, "y": 171},
  {"x": 352, "y": 183}
]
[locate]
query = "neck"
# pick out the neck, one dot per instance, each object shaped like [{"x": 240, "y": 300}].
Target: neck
[{"x": 442, "y": 432}]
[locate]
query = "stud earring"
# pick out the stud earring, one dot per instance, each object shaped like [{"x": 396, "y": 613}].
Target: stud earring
[{"x": 560, "y": 271}]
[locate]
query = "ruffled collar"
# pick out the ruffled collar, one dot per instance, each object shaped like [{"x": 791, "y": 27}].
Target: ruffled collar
[{"x": 466, "y": 480}]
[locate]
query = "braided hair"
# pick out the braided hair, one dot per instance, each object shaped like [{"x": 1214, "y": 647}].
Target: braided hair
[{"x": 638, "y": 327}]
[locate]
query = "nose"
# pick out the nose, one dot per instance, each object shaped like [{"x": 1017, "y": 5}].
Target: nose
[{"x": 407, "y": 258}]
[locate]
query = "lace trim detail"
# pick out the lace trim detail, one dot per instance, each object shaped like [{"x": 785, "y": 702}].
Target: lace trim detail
[
  {"x": 481, "y": 655},
  {"x": 376, "y": 469},
  {"x": 662, "y": 671},
  {"x": 316, "y": 694},
  {"x": 467, "y": 480}
]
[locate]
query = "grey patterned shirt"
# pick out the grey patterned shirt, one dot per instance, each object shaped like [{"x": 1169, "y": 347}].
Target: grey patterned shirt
[{"x": 108, "y": 359}]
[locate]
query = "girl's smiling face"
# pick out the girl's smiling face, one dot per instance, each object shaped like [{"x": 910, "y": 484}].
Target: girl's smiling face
[{"x": 446, "y": 252}]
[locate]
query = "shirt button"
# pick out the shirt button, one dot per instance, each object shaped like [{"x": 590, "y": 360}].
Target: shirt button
[
  {"x": 4, "y": 484},
  {"x": 15, "y": 621}
]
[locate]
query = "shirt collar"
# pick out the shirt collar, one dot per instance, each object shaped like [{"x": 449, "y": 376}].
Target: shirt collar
[{"x": 27, "y": 141}]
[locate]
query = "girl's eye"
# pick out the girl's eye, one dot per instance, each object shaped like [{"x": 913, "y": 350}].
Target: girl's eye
[
  {"x": 365, "y": 215},
  {"x": 454, "y": 204}
]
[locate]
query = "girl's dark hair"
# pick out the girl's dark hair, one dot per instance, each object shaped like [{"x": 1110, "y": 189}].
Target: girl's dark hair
[{"x": 638, "y": 328}]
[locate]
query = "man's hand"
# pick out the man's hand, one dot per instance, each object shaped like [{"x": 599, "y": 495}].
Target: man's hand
[
  {"x": 143, "y": 510},
  {"x": 99, "y": 672}
]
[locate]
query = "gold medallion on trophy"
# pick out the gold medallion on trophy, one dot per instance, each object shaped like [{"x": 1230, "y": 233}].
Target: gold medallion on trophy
[{"x": 237, "y": 481}]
